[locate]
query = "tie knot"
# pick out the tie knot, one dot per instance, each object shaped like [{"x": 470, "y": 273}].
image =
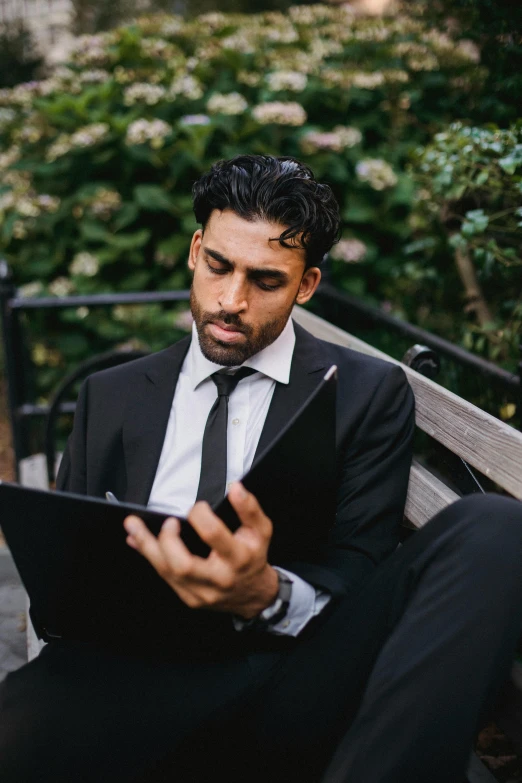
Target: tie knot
[{"x": 226, "y": 382}]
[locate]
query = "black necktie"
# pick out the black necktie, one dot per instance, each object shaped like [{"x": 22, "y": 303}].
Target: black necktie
[{"x": 213, "y": 476}]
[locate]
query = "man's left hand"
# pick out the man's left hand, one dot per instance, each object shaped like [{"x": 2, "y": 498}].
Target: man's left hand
[{"x": 235, "y": 577}]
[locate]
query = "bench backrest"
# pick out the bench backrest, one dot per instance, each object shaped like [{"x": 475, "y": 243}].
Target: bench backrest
[{"x": 489, "y": 445}]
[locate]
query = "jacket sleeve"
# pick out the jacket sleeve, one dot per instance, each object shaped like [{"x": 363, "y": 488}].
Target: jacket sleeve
[
  {"x": 372, "y": 490},
  {"x": 72, "y": 475}
]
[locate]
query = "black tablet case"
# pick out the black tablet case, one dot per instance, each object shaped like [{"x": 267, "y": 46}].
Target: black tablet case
[{"x": 85, "y": 583}]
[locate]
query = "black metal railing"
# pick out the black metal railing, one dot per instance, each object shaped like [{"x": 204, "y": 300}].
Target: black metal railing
[
  {"x": 337, "y": 306},
  {"x": 21, "y": 409},
  {"x": 348, "y": 305}
]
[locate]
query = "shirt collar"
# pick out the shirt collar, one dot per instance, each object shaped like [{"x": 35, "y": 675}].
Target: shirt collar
[{"x": 274, "y": 360}]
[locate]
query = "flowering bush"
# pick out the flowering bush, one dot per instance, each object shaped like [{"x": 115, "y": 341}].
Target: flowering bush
[
  {"x": 468, "y": 205},
  {"x": 97, "y": 161}
]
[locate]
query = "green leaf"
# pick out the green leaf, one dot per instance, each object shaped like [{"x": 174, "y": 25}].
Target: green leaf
[
  {"x": 509, "y": 164},
  {"x": 478, "y": 219},
  {"x": 153, "y": 198},
  {"x": 129, "y": 241},
  {"x": 127, "y": 214},
  {"x": 93, "y": 232}
]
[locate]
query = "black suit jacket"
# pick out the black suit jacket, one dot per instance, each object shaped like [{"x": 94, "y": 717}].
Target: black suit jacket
[{"x": 122, "y": 416}]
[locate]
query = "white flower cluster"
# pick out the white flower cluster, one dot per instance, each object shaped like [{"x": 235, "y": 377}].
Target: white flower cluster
[
  {"x": 172, "y": 26},
  {"x": 94, "y": 76},
  {"x": 61, "y": 286},
  {"x": 287, "y": 80},
  {"x": 376, "y": 172},
  {"x": 285, "y": 33},
  {"x": 187, "y": 86},
  {"x": 29, "y": 134},
  {"x": 84, "y": 265},
  {"x": 419, "y": 57},
  {"x": 321, "y": 48},
  {"x": 105, "y": 203},
  {"x": 227, "y": 103},
  {"x": 60, "y": 147},
  {"x": 372, "y": 34},
  {"x": 92, "y": 49},
  {"x": 89, "y": 135},
  {"x": 7, "y": 116},
  {"x": 279, "y": 113},
  {"x": 30, "y": 290},
  {"x": 239, "y": 42},
  {"x": 213, "y": 21},
  {"x": 141, "y": 92},
  {"x": 396, "y": 76},
  {"x": 340, "y": 138},
  {"x": 351, "y": 251},
  {"x": 423, "y": 62},
  {"x": 368, "y": 81},
  {"x": 250, "y": 78},
  {"x": 153, "y": 132},
  {"x": 158, "y": 48},
  {"x": 310, "y": 14},
  {"x": 195, "y": 119},
  {"x": 468, "y": 51},
  {"x": 10, "y": 156},
  {"x": 32, "y": 205}
]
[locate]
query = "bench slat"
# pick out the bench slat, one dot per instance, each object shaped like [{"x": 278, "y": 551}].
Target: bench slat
[
  {"x": 488, "y": 444},
  {"x": 427, "y": 495}
]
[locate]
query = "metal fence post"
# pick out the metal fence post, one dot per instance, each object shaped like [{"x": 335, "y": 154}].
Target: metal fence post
[{"x": 12, "y": 358}]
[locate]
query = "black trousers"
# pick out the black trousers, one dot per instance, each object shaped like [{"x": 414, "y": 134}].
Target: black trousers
[{"x": 388, "y": 686}]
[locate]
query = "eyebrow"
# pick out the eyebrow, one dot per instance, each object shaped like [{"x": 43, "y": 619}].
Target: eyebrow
[{"x": 253, "y": 272}]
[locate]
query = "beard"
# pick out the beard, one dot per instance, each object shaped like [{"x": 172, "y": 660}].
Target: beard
[{"x": 231, "y": 355}]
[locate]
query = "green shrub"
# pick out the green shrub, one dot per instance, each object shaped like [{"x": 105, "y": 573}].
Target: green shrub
[
  {"x": 469, "y": 207},
  {"x": 97, "y": 162}
]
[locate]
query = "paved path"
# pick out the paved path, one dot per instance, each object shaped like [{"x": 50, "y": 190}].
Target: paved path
[{"x": 12, "y": 616}]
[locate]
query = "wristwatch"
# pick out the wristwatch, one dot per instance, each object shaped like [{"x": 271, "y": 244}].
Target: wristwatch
[{"x": 274, "y": 613}]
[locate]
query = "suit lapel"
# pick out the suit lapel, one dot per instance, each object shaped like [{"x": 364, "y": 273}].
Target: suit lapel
[
  {"x": 146, "y": 418},
  {"x": 288, "y": 398}
]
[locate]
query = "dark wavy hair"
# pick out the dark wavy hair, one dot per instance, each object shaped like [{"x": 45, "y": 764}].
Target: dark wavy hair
[{"x": 280, "y": 190}]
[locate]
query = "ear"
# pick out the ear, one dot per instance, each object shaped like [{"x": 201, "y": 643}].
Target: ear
[
  {"x": 308, "y": 286},
  {"x": 194, "y": 248}
]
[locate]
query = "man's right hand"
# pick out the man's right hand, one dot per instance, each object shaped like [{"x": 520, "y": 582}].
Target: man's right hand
[{"x": 236, "y": 577}]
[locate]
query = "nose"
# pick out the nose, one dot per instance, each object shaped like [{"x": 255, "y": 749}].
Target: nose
[{"x": 233, "y": 297}]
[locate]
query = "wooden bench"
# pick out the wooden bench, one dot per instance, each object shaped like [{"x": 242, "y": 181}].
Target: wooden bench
[{"x": 490, "y": 446}]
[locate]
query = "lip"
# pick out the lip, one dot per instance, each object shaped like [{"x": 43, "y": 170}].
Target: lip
[{"x": 224, "y": 333}]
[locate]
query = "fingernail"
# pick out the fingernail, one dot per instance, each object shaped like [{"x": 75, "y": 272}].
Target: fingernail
[
  {"x": 130, "y": 525},
  {"x": 241, "y": 491},
  {"x": 171, "y": 524}
]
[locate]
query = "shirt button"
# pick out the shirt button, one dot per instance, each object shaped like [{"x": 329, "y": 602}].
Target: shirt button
[
  {"x": 286, "y": 623},
  {"x": 235, "y": 421}
]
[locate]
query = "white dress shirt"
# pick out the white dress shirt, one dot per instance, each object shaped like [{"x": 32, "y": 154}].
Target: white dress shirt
[{"x": 177, "y": 477}]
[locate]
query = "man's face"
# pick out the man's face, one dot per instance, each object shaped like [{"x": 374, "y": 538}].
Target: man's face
[{"x": 244, "y": 286}]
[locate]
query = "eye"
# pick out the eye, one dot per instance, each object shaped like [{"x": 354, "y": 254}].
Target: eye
[
  {"x": 217, "y": 270},
  {"x": 266, "y": 286}
]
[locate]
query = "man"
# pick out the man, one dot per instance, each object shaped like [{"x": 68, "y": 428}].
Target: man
[{"x": 275, "y": 661}]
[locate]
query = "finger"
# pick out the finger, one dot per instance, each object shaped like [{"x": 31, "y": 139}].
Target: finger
[
  {"x": 249, "y": 511},
  {"x": 140, "y": 538},
  {"x": 187, "y": 569},
  {"x": 213, "y": 531},
  {"x": 179, "y": 558}
]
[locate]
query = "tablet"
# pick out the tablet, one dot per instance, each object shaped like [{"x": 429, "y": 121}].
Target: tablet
[{"x": 84, "y": 582}]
